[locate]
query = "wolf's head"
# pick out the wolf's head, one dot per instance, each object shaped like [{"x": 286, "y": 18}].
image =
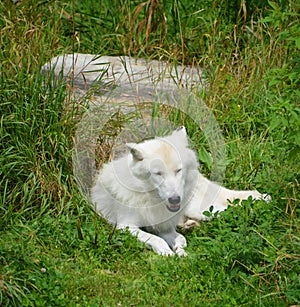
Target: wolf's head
[{"x": 165, "y": 163}]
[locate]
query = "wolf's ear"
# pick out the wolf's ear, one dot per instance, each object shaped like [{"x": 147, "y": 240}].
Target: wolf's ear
[
  {"x": 181, "y": 130},
  {"x": 180, "y": 133},
  {"x": 136, "y": 154}
]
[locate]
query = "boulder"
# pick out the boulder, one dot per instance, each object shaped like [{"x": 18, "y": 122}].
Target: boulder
[{"x": 124, "y": 75}]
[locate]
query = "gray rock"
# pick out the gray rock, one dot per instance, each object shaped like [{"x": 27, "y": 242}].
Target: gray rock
[{"x": 124, "y": 75}]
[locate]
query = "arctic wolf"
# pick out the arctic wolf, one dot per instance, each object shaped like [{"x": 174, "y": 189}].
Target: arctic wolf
[{"x": 155, "y": 187}]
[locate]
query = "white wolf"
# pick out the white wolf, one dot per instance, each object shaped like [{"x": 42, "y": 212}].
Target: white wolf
[{"x": 156, "y": 187}]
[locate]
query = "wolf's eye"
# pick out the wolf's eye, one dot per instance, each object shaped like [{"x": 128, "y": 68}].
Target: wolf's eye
[
  {"x": 178, "y": 170},
  {"x": 158, "y": 173}
]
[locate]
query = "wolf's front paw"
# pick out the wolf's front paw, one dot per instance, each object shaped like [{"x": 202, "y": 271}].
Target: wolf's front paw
[
  {"x": 163, "y": 251},
  {"x": 180, "y": 252},
  {"x": 166, "y": 253},
  {"x": 180, "y": 241}
]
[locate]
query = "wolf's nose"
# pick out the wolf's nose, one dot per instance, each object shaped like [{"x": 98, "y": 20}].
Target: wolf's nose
[{"x": 174, "y": 200}]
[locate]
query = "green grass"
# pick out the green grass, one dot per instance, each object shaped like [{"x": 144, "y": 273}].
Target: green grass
[{"x": 54, "y": 251}]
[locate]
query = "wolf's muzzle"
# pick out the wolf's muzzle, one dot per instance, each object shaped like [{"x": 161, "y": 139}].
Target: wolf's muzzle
[{"x": 174, "y": 203}]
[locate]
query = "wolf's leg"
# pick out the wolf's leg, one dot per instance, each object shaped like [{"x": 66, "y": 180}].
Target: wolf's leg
[
  {"x": 233, "y": 194},
  {"x": 159, "y": 245},
  {"x": 176, "y": 241}
]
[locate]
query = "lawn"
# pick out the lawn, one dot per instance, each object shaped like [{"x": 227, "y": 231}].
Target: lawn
[{"x": 54, "y": 250}]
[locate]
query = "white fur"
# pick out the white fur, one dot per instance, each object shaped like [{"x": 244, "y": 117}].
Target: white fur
[{"x": 156, "y": 187}]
